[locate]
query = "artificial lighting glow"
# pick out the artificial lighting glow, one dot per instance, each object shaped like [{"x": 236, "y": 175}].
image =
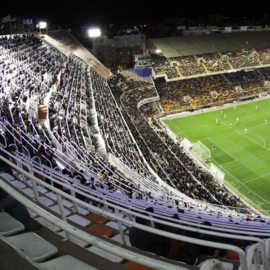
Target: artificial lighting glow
[
  {"x": 94, "y": 32},
  {"x": 42, "y": 25},
  {"x": 158, "y": 51}
]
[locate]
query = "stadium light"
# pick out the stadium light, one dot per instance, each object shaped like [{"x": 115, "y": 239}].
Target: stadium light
[
  {"x": 42, "y": 25},
  {"x": 94, "y": 32},
  {"x": 158, "y": 51}
]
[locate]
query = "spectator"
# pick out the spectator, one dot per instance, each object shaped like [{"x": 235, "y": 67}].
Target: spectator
[
  {"x": 18, "y": 210},
  {"x": 148, "y": 241}
]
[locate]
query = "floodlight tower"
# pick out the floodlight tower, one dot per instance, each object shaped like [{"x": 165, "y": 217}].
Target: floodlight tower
[
  {"x": 42, "y": 25},
  {"x": 94, "y": 32}
]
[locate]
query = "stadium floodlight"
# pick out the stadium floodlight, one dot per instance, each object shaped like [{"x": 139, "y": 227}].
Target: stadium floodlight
[
  {"x": 158, "y": 51},
  {"x": 42, "y": 25},
  {"x": 95, "y": 32}
]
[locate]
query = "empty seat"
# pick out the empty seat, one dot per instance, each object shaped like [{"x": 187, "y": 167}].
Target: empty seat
[
  {"x": 67, "y": 203},
  {"x": 42, "y": 189},
  {"x": 9, "y": 225},
  {"x": 81, "y": 210},
  {"x": 51, "y": 195},
  {"x": 56, "y": 209},
  {"x": 45, "y": 201},
  {"x": 79, "y": 220},
  {"x": 31, "y": 245},
  {"x": 29, "y": 192},
  {"x": 7, "y": 176},
  {"x": 100, "y": 230},
  {"x": 105, "y": 254},
  {"x": 66, "y": 262},
  {"x": 98, "y": 218},
  {"x": 18, "y": 184}
]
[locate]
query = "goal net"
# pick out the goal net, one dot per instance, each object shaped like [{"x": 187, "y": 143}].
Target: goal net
[{"x": 200, "y": 151}]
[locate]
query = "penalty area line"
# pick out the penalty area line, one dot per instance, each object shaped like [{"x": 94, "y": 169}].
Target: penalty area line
[
  {"x": 234, "y": 159},
  {"x": 245, "y": 186},
  {"x": 256, "y": 178}
]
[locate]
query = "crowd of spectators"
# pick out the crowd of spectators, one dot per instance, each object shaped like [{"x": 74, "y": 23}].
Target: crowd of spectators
[
  {"x": 265, "y": 72},
  {"x": 73, "y": 91},
  {"x": 189, "y": 66},
  {"x": 161, "y": 65},
  {"x": 126, "y": 83},
  {"x": 170, "y": 98},
  {"x": 213, "y": 89},
  {"x": 46, "y": 74},
  {"x": 165, "y": 155},
  {"x": 251, "y": 82},
  {"x": 242, "y": 58},
  {"x": 114, "y": 131},
  {"x": 264, "y": 55},
  {"x": 194, "y": 92},
  {"x": 73, "y": 123},
  {"x": 148, "y": 110},
  {"x": 213, "y": 62}
]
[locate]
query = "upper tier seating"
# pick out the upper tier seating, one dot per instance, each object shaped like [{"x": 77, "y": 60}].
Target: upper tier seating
[
  {"x": 213, "y": 62},
  {"x": 188, "y": 65},
  {"x": 161, "y": 65}
]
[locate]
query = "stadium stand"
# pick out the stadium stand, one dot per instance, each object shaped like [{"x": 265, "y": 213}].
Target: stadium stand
[
  {"x": 242, "y": 59},
  {"x": 78, "y": 153},
  {"x": 213, "y": 62},
  {"x": 208, "y": 55},
  {"x": 263, "y": 55},
  {"x": 161, "y": 66},
  {"x": 189, "y": 65},
  {"x": 198, "y": 92}
]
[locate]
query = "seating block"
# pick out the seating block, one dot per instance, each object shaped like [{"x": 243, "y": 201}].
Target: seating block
[{"x": 31, "y": 245}]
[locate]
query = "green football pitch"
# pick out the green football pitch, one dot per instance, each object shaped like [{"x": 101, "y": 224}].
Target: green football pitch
[{"x": 244, "y": 157}]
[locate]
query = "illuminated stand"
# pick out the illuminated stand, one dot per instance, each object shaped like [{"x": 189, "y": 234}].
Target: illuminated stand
[{"x": 143, "y": 65}]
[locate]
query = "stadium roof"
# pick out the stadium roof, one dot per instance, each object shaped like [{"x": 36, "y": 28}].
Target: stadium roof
[
  {"x": 67, "y": 44},
  {"x": 190, "y": 45}
]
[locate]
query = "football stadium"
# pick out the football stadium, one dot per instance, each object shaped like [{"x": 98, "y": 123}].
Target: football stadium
[{"x": 164, "y": 166}]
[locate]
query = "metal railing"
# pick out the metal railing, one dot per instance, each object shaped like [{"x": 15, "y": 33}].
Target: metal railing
[{"x": 245, "y": 263}]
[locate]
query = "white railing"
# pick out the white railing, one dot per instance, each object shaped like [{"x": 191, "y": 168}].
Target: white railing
[{"x": 122, "y": 253}]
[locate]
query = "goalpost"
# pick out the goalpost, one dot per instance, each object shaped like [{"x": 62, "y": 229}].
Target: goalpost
[{"x": 200, "y": 151}]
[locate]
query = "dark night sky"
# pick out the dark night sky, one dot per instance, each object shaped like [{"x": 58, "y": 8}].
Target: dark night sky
[{"x": 87, "y": 13}]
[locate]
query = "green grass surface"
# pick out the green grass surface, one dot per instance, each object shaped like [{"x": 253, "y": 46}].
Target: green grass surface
[{"x": 243, "y": 157}]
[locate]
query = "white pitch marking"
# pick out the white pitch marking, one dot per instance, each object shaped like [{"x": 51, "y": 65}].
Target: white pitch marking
[
  {"x": 223, "y": 151},
  {"x": 246, "y": 186},
  {"x": 181, "y": 130},
  {"x": 252, "y": 140},
  {"x": 256, "y": 178}
]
